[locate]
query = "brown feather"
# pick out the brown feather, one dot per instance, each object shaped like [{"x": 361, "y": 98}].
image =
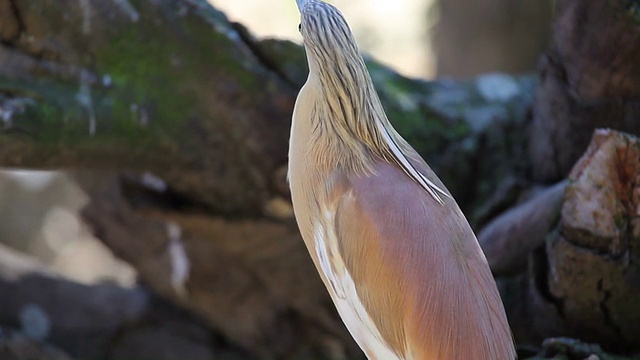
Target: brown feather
[
  {"x": 370, "y": 212},
  {"x": 419, "y": 270}
]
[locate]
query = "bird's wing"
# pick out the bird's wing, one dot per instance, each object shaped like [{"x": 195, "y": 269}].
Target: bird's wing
[
  {"x": 410, "y": 168},
  {"x": 418, "y": 270}
]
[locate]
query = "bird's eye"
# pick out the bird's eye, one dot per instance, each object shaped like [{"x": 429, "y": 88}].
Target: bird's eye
[{"x": 300, "y": 28}]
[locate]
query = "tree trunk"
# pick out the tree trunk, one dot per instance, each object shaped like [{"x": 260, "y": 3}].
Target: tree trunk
[
  {"x": 581, "y": 278},
  {"x": 589, "y": 79}
]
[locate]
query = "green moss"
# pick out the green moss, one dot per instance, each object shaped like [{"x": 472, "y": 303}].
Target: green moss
[
  {"x": 156, "y": 70},
  {"x": 151, "y": 77},
  {"x": 143, "y": 84},
  {"x": 52, "y": 103}
]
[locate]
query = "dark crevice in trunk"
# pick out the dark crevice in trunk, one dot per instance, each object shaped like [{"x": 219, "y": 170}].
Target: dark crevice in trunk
[
  {"x": 541, "y": 279},
  {"x": 606, "y": 314},
  {"x": 19, "y": 21}
]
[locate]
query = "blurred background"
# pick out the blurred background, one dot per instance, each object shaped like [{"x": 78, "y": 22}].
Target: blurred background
[
  {"x": 423, "y": 38},
  {"x": 170, "y": 120},
  {"x": 39, "y": 210},
  {"x": 418, "y": 38},
  {"x": 39, "y": 216}
]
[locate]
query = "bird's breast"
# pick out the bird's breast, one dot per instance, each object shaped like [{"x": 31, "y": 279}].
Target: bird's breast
[{"x": 315, "y": 187}]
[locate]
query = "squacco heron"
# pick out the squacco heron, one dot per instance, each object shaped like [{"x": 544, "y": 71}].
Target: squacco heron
[{"x": 395, "y": 252}]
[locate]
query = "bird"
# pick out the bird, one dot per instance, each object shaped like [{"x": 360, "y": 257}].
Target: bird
[{"x": 395, "y": 252}]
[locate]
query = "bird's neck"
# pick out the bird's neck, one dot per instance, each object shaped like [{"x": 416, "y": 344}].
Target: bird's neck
[{"x": 347, "y": 117}]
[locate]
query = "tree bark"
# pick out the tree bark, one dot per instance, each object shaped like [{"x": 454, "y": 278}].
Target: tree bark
[
  {"x": 589, "y": 79},
  {"x": 581, "y": 282}
]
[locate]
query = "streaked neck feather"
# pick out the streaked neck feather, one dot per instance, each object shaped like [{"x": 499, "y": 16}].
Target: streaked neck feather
[{"x": 364, "y": 133}]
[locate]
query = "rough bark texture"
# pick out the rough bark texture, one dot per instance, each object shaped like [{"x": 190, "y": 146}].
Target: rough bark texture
[
  {"x": 581, "y": 282},
  {"x": 589, "y": 79},
  {"x": 594, "y": 257}
]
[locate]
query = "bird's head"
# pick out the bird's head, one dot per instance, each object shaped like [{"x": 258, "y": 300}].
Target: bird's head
[
  {"x": 327, "y": 38},
  {"x": 345, "y": 105}
]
